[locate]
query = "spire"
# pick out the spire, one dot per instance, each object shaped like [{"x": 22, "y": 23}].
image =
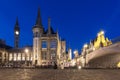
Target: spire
[
  {"x": 38, "y": 20},
  {"x": 16, "y": 34},
  {"x": 17, "y": 24},
  {"x": 49, "y": 24}
]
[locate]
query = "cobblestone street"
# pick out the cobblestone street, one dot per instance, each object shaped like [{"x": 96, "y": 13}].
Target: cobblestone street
[{"x": 51, "y": 74}]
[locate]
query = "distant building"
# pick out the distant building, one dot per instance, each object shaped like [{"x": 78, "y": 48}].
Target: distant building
[
  {"x": 3, "y": 52},
  {"x": 88, "y": 50},
  {"x": 101, "y": 41},
  {"x": 98, "y": 42}
]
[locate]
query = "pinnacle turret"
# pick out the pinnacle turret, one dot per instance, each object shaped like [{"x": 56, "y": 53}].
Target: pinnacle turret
[
  {"x": 49, "y": 24},
  {"x": 38, "y": 20},
  {"x": 17, "y": 25}
]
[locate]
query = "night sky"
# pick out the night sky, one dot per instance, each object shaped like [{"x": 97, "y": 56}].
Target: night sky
[{"x": 77, "y": 21}]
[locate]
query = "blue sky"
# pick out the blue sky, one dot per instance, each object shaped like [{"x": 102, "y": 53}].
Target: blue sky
[{"x": 77, "y": 21}]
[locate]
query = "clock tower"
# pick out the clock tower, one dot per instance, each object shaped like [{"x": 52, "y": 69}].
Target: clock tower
[{"x": 16, "y": 34}]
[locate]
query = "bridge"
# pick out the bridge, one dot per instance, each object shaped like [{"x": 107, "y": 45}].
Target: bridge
[
  {"x": 101, "y": 53},
  {"x": 105, "y": 57}
]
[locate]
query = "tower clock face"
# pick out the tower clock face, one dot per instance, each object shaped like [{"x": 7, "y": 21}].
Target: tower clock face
[{"x": 17, "y": 32}]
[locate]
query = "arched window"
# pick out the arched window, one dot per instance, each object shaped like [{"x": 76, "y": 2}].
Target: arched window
[
  {"x": 53, "y": 55},
  {"x": 15, "y": 56},
  {"x": 44, "y": 55},
  {"x": 10, "y": 57},
  {"x": 36, "y": 34},
  {"x": 19, "y": 56},
  {"x": 23, "y": 56},
  {"x": 53, "y": 44},
  {"x": 44, "y": 44}
]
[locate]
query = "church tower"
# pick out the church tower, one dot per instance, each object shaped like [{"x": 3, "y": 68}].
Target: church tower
[
  {"x": 16, "y": 34},
  {"x": 37, "y": 32}
]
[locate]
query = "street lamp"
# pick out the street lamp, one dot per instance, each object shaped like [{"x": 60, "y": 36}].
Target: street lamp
[{"x": 26, "y": 52}]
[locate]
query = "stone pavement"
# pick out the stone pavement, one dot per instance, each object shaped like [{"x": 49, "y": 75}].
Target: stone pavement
[{"x": 51, "y": 74}]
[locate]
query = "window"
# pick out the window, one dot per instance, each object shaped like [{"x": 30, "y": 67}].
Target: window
[
  {"x": 27, "y": 57},
  {"x": 23, "y": 56},
  {"x": 53, "y": 55},
  {"x": 19, "y": 56},
  {"x": 30, "y": 58},
  {"x": 15, "y": 56},
  {"x": 44, "y": 44},
  {"x": 36, "y": 34},
  {"x": 53, "y": 44},
  {"x": 44, "y": 55},
  {"x": 10, "y": 57}
]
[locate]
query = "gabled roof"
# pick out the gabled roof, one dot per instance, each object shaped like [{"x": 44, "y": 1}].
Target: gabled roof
[{"x": 51, "y": 30}]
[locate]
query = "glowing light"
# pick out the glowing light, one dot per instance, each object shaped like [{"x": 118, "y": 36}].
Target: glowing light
[
  {"x": 93, "y": 49},
  {"x": 73, "y": 63},
  {"x": 98, "y": 34},
  {"x": 17, "y": 32},
  {"x": 26, "y": 50},
  {"x": 75, "y": 52},
  {"x": 79, "y": 67},
  {"x": 118, "y": 65},
  {"x": 85, "y": 45},
  {"x": 102, "y": 32}
]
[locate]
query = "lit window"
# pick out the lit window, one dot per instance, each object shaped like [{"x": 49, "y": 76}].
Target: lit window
[
  {"x": 27, "y": 56},
  {"x": 15, "y": 56},
  {"x": 53, "y": 44},
  {"x": 23, "y": 56},
  {"x": 44, "y": 44},
  {"x": 53, "y": 55},
  {"x": 19, "y": 57},
  {"x": 10, "y": 57}
]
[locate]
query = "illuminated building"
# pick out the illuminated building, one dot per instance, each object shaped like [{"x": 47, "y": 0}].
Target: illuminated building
[
  {"x": 46, "y": 44},
  {"x": 101, "y": 41},
  {"x": 98, "y": 42},
  {"x": 100, "y": 53},
  {"x": 46, "y": 50}
]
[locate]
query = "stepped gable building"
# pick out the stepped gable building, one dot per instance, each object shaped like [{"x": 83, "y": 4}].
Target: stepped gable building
[{"x": 46, "y": 50}]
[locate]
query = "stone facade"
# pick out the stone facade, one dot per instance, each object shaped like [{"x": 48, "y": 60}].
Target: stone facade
[
  {"x": 46, "y": 44},
  {"x": 46, "y": 50}
]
